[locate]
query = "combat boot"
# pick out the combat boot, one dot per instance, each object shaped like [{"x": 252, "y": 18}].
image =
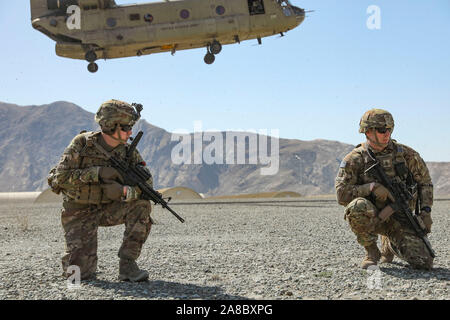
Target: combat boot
[
  {"x": 129, "y": 270},
  {"x": 386, "y": 253},
  {"x": 372, "y": 256}
]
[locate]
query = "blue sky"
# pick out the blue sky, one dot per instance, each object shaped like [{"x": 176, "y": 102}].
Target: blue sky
[{"x": 314, "y": 83}]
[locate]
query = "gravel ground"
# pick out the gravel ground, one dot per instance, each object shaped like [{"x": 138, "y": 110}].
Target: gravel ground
[{"x": 241, "y": 250}]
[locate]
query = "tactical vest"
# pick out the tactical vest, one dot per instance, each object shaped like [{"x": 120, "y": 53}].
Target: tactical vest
[
  {"x": 394, "y": 165},
  {"x": 89, "y": 156}
]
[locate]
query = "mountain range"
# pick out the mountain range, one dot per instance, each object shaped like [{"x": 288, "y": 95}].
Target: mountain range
[{"x": 215, "y": 163}]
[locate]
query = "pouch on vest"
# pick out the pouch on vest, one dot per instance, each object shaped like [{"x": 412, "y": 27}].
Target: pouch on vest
[{"x": 89, "y": 194}]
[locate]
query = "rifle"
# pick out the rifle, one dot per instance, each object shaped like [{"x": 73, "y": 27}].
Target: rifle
[
  {"x": 402, "y": 196},
  {"x": 135, "y": 175}
]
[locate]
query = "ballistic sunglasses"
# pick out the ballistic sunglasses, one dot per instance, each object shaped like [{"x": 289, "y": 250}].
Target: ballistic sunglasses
[
  {"x": 383, "y": 129},
  {"x": 125, "y": 127}
]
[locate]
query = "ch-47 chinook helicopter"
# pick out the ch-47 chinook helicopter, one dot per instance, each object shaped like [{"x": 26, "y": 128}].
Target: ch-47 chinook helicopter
[{"x": 101, "y": 29}]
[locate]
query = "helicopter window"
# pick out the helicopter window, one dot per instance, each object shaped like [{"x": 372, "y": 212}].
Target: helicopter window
[
  {"x": 94, "y": 7},
  {"x": 256, "y": 7},
  {"x": 220, "y": 10},
  {"x": 148, "y": 17},
  {"x": 135, "y": 16},
  {"x": 284, "y": 3},
  {"x": 184, "y": 14},
  {"x": 111, "y": 22},
  {"x": 109, "y": 4},
  {"x": 287, "y": 11}
]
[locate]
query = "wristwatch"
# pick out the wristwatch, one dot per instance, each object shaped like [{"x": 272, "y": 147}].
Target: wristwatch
[{"x": 426, "y": 209}]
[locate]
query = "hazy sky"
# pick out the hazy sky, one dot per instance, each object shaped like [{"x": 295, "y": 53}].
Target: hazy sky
[{"x": 314, "y": 83}]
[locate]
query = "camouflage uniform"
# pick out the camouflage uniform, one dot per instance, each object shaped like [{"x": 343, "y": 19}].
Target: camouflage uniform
[
  {"x": 86, "y": 205},
  {"x": 362, "y": 209}
]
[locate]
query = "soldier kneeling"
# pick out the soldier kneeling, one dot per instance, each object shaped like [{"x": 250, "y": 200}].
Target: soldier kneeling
[
  {"x": 94, "y": 194},
  {"x": 366, "y": 200}
]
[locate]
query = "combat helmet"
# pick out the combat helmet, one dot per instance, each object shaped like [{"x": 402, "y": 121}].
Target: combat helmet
[
  {"x": 376, "y": 118},
  {"x": 115, "y": 112}
]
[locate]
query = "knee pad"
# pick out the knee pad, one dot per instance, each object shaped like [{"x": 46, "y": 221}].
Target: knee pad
[
  {"x": 361, "y": 215},
  {"x": 360, "y": 207},
  {"x": 413, "y": 250}
]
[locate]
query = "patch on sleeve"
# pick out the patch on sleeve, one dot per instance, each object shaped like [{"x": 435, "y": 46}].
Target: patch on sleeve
[{"x": 343, "y": 164}]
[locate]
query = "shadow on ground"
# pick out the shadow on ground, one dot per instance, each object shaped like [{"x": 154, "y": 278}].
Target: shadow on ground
[
  {"x": 155, "y": 289},
  {"x": 404, "y": 271}
]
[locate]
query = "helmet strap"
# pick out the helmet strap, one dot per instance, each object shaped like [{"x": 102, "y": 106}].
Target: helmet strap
[{"x": 376, "y": 142}]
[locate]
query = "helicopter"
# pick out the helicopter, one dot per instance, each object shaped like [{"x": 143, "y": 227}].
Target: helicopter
[{"x": 101, "y": 29}]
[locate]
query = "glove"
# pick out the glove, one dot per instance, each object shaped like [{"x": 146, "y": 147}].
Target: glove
[
  {"x": 109, "y": 173},
  {"x": 133, "y": 193},
  {"x": 113, "y": 190},
  {"x": 426, "y": 219},
  {"x": 364, "y": 190},
  {"x": 380, "y": 192}
]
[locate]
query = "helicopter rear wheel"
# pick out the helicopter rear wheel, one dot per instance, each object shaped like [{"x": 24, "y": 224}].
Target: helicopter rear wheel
[
  {"x": 215, "y": 47},
  {"x": 90, "y": 56},
  {"x": 92, "y": 67},
  {"x": 209, "y": 58}
]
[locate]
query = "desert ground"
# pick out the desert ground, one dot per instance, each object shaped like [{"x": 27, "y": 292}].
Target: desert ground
[{"x": 298, "y": 248}]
